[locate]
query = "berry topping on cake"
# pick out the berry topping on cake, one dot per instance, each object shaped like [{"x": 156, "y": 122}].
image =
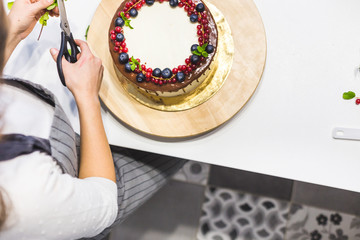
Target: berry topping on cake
[
  {"x": 166, "y": 73},
  {"x": 119, "y": 22},
  {"x": 174, "y": 3},
  {"x": 133, "y": 12},
  {"x": 140, "y": 77},
  {"x": 156, "y": 72},
  {"x": 200, "y": 7},
  {"x": 120, "y": 37},
  {"x": 180, "y": 77},
  {"x": 123, "y": 58}
]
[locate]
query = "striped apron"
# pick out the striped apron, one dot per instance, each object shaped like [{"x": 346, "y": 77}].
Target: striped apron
[{"x": 138, "y": 174}]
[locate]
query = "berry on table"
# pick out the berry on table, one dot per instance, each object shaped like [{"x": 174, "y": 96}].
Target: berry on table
[{"x": 123, "y": 58}]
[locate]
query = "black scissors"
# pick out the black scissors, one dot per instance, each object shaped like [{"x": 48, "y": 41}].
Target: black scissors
[{"x": 66, "y": 39}]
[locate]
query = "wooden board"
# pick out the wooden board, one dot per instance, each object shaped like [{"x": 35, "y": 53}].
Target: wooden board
[{"x": 249, "y": 61}]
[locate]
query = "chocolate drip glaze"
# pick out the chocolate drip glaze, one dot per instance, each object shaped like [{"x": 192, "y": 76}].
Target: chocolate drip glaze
[{"x": 169, "y": 87}]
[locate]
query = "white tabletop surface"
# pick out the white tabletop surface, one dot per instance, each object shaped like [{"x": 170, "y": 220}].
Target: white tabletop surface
[{"x": 285, "y": 129}]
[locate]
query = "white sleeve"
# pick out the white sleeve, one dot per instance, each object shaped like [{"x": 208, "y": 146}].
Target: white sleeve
[{"x": 50, "y": 205}]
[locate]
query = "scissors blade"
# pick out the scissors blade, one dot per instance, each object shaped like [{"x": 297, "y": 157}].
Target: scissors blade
[{"x": 64, "y": 24}]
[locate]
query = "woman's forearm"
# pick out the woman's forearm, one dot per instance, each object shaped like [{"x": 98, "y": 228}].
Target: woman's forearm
[{"x": 96, "y": 159}]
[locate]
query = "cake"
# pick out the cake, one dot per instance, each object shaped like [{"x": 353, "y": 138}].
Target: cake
[{"x": 159, "y": 48}]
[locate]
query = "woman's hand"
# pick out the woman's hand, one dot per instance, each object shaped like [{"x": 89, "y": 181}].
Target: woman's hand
[
  {"x": 84, "y": 77},
  {"x": 24, "y": 14},
  {"x": 21, "y": 21}
]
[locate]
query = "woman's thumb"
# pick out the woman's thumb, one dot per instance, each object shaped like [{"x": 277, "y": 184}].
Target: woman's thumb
[{"x": 54, "y": 53}]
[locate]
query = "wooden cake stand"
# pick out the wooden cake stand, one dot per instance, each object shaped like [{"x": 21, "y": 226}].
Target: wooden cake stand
[{"x": 247, "y": 68}]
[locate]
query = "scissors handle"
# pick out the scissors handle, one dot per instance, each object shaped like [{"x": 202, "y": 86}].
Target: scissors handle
[{"x": 70, "y": 57}]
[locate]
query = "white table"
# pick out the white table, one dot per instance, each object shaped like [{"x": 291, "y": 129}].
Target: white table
[{"x": 285, "y": 129}]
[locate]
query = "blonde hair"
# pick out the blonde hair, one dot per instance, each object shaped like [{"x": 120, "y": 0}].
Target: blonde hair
[{"x": 3, "y": 37}]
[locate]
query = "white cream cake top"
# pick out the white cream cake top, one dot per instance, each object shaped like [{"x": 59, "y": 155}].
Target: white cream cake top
[{"x": 162, "y": 36}]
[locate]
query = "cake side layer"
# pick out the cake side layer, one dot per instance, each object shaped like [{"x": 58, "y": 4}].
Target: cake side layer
[{"x": 169, "y": 87}]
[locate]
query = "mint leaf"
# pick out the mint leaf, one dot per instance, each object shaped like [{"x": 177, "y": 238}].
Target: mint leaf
[
  {"x": 127, "y": 23},
  {"x": 348, "y": 95},
  {"x": 204, "y": 46},
  {"x": 205, "y": 54},
  {"x": 196, "y": 53},
  {"x": 44, "y": 18},
  {"x": 200, "y": 49},
  {"x": 52, "y": 6},
  {"x": 133, "y": 66},
  {"x": 9, "y": 5}
]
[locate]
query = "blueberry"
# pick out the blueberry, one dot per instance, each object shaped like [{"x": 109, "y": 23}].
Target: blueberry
[
  {"x": 120, "y": 37},
  {"x": 173, "y": 3},
  {"x": 123, "y": 58},
  {"x": 140, "y": 77},
  {"x": 166, "y": 73},
  {"x": 133, "y": 12},
  {"x": 180, "y": 76},
  {"x": 194, "y": 47},
  {"x": 209, "y": 48},
  {"x": 156, "y": 72},
  {"x": 128, "y": 67},
  {"x": 193, "y": 18},
  {"x": 194, "y": 59},
  {"x": 150, "y": 2},
  {"x": 119, "y": 22},
  {"x": 200, "y": 7}
]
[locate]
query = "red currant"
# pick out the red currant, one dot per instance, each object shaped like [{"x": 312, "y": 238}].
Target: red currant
[
  {"x": 198, "y": 27},
  {"x": 192, "y": 9},
  {"x": 148, "y": 79},
  {"x": 186, "y": 8},
  {"x": 134, "y": 1},
  {"x": 175, "y": 71},
  {"x": 148, "y": 75},
  {"x": 128, "y": 4},
  {"x": 202, "y": 59},
  {"x": 181, "y": 5},
  {"x": 173, "y": 80},
  {"x": 156, "y": 81},
  {"x": 186, "y": 72},
  {"x": 118, "y": 29},
  {"x": 116, "y": 49},
  {"x": 125, "y": 49},
  {"x": 189, "y": 2},
  {"x": 357, "y": 101},
  {"x": 206, "y": 35},
  {"x": 143, "y": 67},
  {"x": 183, "y": 67},
  {"x": 138, "y": 6},
  {"x": 153, "y": 80},
  {"x": 143, "y": 2},
  {"x": 138, "y": 60},
  {"x": 123, "y": 44},
  {"x": 199, "y": 32},
  {"x": 193, "y": 66},
  {"x": 113, "y": 36},
  {"x": 117, "y": 43},
  {"x": 149, "y": 70},
  {"x": 200, "y": 40},
  {"x": 189, "y": 13},
  {"x": 187, "y": 61},
  {"x": 161, "y": 82},
  {"x": 189, "y": 69},
  {"x": 127, "y": 15},
  {"x": 125, "y": 9}
]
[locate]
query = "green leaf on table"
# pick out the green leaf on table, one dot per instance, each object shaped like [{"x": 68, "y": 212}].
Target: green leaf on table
[
  {"x": 9, "y": 5},
  {"x": 348, "y": 95}
]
